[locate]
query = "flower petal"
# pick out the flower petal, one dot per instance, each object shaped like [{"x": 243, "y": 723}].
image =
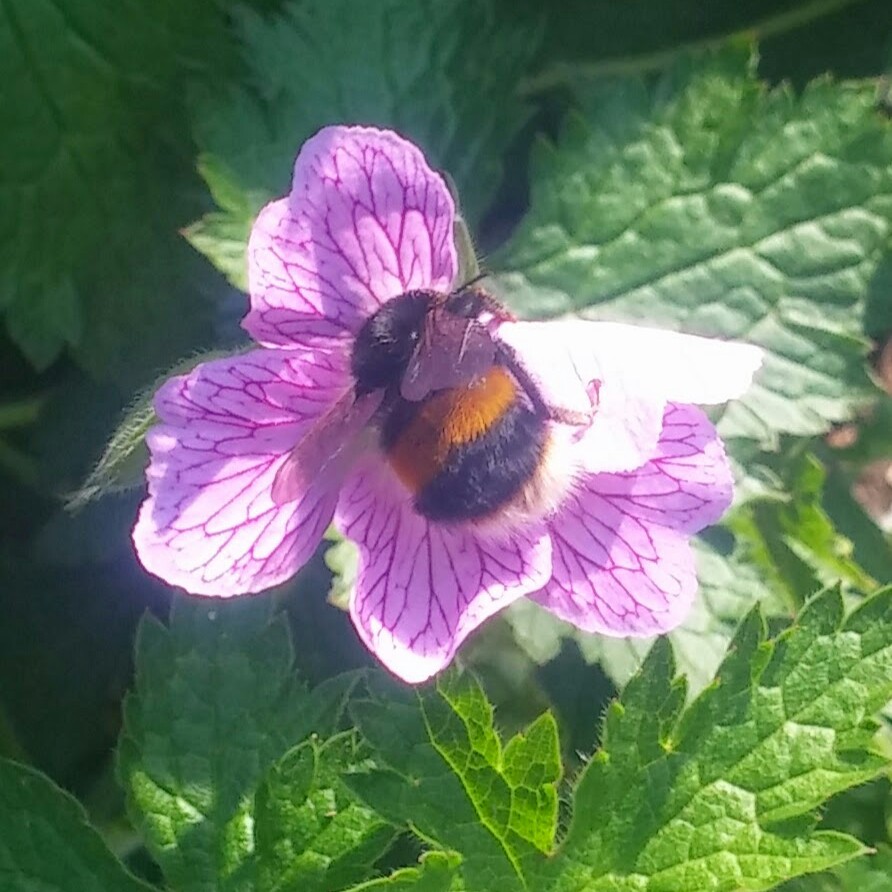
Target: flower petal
[
  {"x": 367, "y": 219},
  {"x": 422, "y": 588},
  {"x": 675, "y": 367},
  {"x": 625, "y": 422},
  {"x": 622, "y": 561},
  {"x": 209, "y": 523}
]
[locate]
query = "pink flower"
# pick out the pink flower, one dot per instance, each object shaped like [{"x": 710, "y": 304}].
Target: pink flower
[{"x": 367, "y": 220}]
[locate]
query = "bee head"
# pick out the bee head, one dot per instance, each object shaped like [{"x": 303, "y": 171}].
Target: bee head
[{"x": 385, "y": 343}]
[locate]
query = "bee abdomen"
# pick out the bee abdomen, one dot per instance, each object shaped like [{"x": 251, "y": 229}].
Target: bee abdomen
[
  {"x": 465, "y": 452},
  {"x": 486, "y": 474}
]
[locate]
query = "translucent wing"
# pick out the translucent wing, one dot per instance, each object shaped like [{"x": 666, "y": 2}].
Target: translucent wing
[
  {"x": 451, "y": 352},
  {"x": 328, "y": 448}
]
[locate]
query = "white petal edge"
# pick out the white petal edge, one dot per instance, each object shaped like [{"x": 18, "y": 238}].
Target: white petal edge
[{"x": 669, "y": 365}]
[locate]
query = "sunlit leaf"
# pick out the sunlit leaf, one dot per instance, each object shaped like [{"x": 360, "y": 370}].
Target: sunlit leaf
[
  {"x": 717, "y": 796},
  {"x": 707, "y": 203},
  {"x": 216, "y": 706},
  {"x": 449, "y": 776}
]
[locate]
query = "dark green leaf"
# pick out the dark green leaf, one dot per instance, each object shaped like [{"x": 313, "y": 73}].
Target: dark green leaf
[
  {"x": 792, "y": 542},
  {"x": 97, "y": 178},
  {"x": 870, "y": 873},
  {"x": 44, "y": 322},
  {"x": 442, "y": 73},
  {"x": 223, "y": 236},
  {"x": 878, "y": 321},
  {"x": 46, "y": 844},
  {"x": 872, "y": 549},
  {"x": 597, "y": 38}
]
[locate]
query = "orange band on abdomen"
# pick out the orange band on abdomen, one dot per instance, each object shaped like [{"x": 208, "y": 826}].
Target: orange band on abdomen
[{"x": 445, "y": 421}]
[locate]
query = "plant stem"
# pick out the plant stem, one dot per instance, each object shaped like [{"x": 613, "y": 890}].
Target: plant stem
[{"x": 564, "y": 73}]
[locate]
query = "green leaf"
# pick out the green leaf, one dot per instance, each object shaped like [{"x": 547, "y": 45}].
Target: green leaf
[
  {"x": 708, "y": 203},
  {"x": 144, "y": 313},
  {"x": 216, "y": 705},
  {"x": 98, "y": 179},
  {"x": 872, "y": 549},
  {"x": 873, "y": 873},
  {"x": 122, "y": 465},
  {"x": 792, "y": 541},
  {"x": 436, "y": 873},
  {"x": 43, "y": 323},
  {"x": 448, "y": 775},
  {"x": 223, "y": 236},
  {"x": 870, "y": 873},
  {"x": 720, "y": 798},
  {"x": 342, "y": 558},
  {"x": 46, "y": 843},
  {"x": 18, "y": 464},
  {"x": 717, "y": 796},
  {"x": 808, "y": 531},
  {"x": 849, "y": 38},
  {"x": 861, "y": 811},
  {"x": 597, "y": 38},
  {"x": 414, "y": 65},
  {"x": 311, "y": 834},
  {"x": 18, "y": 413},
  {"x": 878, "y": 317}
]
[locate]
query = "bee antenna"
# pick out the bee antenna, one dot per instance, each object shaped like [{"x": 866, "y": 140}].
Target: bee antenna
[{"x": 470, "y": 282}]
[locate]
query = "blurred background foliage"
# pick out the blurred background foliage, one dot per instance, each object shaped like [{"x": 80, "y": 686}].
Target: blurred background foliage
[{"x": 137, "y": 140}]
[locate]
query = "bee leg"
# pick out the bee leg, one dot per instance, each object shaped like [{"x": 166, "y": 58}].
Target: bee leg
[
  {"x": 560, "y": 414},
  {"x": 570, "y": 416},
  {"x": 574, "y": 416}
]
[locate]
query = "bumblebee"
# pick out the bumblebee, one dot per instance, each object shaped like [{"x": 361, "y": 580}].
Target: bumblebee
[{"x": 454, "y": 413}]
